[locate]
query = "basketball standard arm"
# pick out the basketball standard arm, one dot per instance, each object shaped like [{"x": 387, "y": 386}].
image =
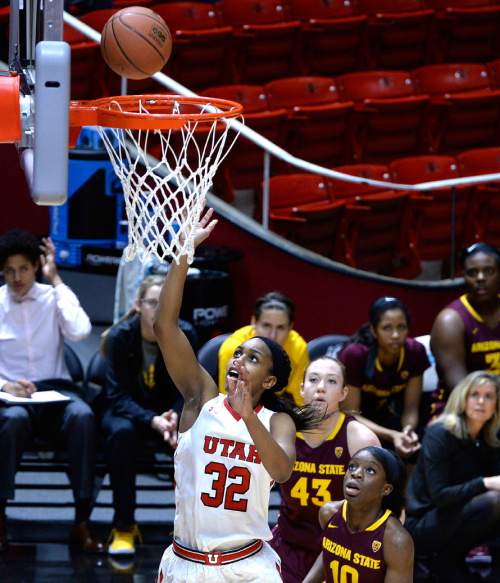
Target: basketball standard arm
[
  {"x": 42, "y": 62},
  {"x": 192, "y": 380}
]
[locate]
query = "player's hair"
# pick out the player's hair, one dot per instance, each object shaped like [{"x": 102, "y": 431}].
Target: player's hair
[
  {"x": 19, "y": 242},
  {"x": 453, "y": 417},
  {"x": 147, "y": 282},
  {"x": 274, "y": 300},
  {"x": 306, "y": 417},
  {"x": 332, "y": 359},
  {"x": 395, "y": 474},
  {"x": 480, "y": 247},
  {"x": 364, "y": 334}
]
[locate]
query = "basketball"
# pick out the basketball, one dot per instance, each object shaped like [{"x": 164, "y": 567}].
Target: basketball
[{"x": 136, "y": 42}]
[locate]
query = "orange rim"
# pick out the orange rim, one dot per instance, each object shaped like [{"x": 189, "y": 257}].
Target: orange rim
[
  {"x": 124, "y": 111},
  {"x": 10, "y": 128}
]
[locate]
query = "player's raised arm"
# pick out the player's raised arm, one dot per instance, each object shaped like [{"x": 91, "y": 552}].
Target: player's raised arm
[{"x": 192, "y": 380}]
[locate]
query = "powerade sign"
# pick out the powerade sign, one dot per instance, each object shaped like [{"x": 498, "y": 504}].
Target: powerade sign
[
  {"x": 209, "y": 316},
  {"x": 206, "y": 302}
]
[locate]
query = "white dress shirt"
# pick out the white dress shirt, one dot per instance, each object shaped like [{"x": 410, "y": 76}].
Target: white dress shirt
[{"x": 32, "y": 331}]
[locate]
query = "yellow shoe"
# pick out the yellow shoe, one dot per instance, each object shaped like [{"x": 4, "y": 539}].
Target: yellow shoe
[{"x": 122, "y": 542}]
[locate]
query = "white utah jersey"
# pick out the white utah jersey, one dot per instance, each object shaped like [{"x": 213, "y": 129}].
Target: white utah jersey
[{"x": 222, "y": 488}]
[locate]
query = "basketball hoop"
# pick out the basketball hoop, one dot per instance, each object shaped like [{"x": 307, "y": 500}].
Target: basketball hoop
[{"x": 165, "y": 149}]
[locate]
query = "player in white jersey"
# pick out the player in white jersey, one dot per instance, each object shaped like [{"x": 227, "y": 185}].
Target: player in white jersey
[{"x": 231, "y": 449}]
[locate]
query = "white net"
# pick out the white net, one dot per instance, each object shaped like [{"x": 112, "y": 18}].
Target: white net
[{"x": 165, "y": 176}]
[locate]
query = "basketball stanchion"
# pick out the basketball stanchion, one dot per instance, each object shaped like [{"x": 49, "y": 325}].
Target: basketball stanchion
[{"x": 165, "y": 149}]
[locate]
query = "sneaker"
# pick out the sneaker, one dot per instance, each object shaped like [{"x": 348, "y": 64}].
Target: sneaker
[
  {"x": 479, "y": 556},
  {"x": 122, "y": 542},
  {"x": 122, "y": 564}
]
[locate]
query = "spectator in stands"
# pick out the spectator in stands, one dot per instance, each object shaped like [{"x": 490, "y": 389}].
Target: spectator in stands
[
  {"x": 273, "y": 318},
  {"x": 131, "y": 274},
  {"x": 35, "y": 319},
  {"x": 384, "y": 369},
  {"x": 466, "y": 334},
  {"x": 454, "y": 493},
  {"x": 143, "y": 404}
]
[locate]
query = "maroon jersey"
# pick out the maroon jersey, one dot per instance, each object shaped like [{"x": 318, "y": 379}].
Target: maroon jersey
[
  {"x": 383, "y": 388},
  {"x": 354, "y": 556},
  {"x": 482, "y": 343},
  {"x": 317, "y": 478}
]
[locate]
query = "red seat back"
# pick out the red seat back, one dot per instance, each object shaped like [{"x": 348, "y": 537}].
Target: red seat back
[
  {"x": 381, "y": 6},
  {"x": 252, "y": 97},
  {"x": 254, "y": 12},
  {"x": 189, "y": 15},
  {"x": 437, "y": 212},
  {"x": 375, "y": 85},
  {"x": 296, "y": 91},
  {"x": 451, "y": 78},
  {"x": 350, "y": 190},
  {"x": 487, "y": 195},
  {"x": 320, "y": 9},
  {"x": 294, "y": 190}
]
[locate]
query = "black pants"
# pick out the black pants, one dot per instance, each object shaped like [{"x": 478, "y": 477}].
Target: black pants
[
  {"x": 70, "y": 423},
  {"x": 124, "y": 440},
  {"x": 454, "y": 531}
]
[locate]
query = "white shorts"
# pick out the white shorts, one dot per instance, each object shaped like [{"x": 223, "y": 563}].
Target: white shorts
[{"x": 263, "y": 566}]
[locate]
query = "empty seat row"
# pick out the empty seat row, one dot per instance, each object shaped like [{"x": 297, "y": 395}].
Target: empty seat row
[
  {"x": 255, "y": 41},
  {"x": 372, "y": 116},
  {"x": 388, "y": 231}
]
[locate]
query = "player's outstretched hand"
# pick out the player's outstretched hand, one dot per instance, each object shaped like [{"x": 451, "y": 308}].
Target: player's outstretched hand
[{"x": 204, "y": 227}]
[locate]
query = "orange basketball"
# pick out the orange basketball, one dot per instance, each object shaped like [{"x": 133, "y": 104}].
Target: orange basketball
[{"x": 136, "y": 42}]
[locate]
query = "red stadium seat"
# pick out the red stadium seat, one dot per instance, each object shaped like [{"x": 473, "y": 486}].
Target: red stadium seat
[
  {"x": 389, "y": 119},
  {"x": 399, "y": 33},
  {"x": 333, "y": 36},
  {"x": 432, "y": 218},
  {"x": 465, "y": 111},
  {"x": 4, "y": 29},
  {"x": 109, "y": 82},
  {"x": 202, "y": 49},
  {"x": 318, "y": 124},
  {"x": 119, "y": 4},
  {"x": 494, "y": 73},
  {"x": 243, "y": 168},
  {"x": 486, "y": 196},
  {"x": 467, "y": 30},
  {"x": 266, "y": 40},
  {"x": 301, "y": 211},
  {"x": 85, "y": 61},
  {"x": 375, "y": 235},
  {"x": 376, "y": 220},
  {"x": 350, "y": 190}
]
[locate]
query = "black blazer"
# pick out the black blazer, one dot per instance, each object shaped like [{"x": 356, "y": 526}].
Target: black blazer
[{"x": 124, "y": 393}]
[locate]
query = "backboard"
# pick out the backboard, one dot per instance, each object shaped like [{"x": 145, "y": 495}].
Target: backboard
[{"x": 41, "y": 60}]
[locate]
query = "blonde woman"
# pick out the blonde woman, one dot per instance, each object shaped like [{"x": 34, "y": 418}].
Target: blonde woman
[
  {"x": 454, "y": 493},
  {"x": 142, "y": 404}
]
